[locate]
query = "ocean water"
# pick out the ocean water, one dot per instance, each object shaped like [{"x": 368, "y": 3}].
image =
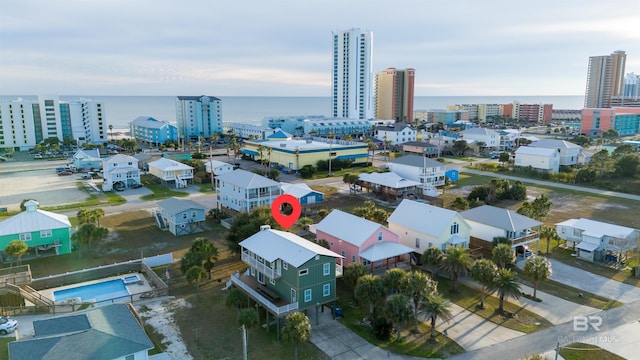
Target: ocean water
[{"x": 121, "y": 110}]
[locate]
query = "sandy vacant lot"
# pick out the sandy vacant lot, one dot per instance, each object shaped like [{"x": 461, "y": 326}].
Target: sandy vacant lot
[{"x": 43, "y": 185}]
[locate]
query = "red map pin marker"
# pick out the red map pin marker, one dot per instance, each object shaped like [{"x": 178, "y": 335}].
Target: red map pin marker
[{"x": 286, "y": 220}]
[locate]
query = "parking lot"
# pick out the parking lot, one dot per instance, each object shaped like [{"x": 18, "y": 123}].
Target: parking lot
[{"x": 37, "y": 179}]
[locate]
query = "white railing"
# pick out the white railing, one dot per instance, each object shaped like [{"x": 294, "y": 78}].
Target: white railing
[
  {"x": 277, "y": 310},
  {"x": 254, "y": 263}
]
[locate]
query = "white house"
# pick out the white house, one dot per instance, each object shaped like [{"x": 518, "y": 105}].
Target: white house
[
  {"x": 397, "y": 133},
  {"x": 217, "y": 167},
  {"x": 490, "y": 138},
  {"x": 241, "y": 190},
  {"x": 428, "y": 172},
  {"x": 180, "y": 216},
  {"x": 569, "y": 152},
  {"x": 247, "y": 130},
  {"x": 120, "y": 172},
  {"x": 488, "y": 222},
  {"x": 596, "y": 240},
  {"x": 168, "y": 171},
  {"x": 542, "y": 159},
  {"x": 422, "y": 226}
]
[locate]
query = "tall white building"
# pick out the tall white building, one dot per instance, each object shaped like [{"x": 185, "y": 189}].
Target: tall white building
[
  {"x": 198, "y": 116},
  {"x": 23, "y": 124},
  {"x": 352, "y": 78},
  {"x": 631, "y": 85}
]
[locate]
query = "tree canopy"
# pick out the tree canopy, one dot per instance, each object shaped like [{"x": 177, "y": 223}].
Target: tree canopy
[{"x": 247, "y": 224}]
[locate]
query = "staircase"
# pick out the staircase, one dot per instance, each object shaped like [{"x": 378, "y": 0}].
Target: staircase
[
  {"x": 29, "y": 294},
  {"x": 180, "y": 183},
  {"x": 159, "y": 220}
]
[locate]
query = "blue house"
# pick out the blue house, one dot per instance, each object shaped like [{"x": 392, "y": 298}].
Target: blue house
[
  {"x": 87, "y": 159},
  {"x": 302, "y": 192},
  {"x": 150, "y": 130}
]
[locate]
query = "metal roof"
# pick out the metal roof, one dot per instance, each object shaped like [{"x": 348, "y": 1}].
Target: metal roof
[
  {"x": 175, "y": 205},
  {"x": 33, "y": 220},
  {"x": 528, "y": 150},
  {"x": 384, "y": 250},
  {"x": 119, "y": 158},
  {"x": 388, "y": 179},
  {"x": 424, "y": 218},
  {"x": 298, "y": 191},
  {"x": 275, "y": 244},
  {"x": 348, "y": 227},
  {"x": 499, "y": 218},
  {"x": 554, "y": 144},
  {"x": 599, "y": 229},
  {"x": 149, "y": 122},
  {"x": 165, "y": 164}
]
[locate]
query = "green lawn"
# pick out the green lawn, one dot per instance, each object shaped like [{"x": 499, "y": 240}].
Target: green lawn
[
  {"x": 413, "y": 344},
  {"x": 159, "y": 191},
  {"x": 468, "y": 298},
  {"x": 580, "y": 351},
  {"x": 4, "y": 346}
]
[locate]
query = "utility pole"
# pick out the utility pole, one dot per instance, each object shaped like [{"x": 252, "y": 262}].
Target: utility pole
[{"x": 245, "y": 350}]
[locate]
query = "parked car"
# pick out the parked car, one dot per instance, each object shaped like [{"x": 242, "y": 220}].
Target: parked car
[
  {"x": 135, "y": 186},
  {"x": 523, "y": 250},
  {"x": 7, "y": 325},
  {"x": 37, "y": 156},
  {"x": 65, "y": 173}
]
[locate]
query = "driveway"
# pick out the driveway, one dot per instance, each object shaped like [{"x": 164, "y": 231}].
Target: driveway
[{"x": 590, "y": 282}]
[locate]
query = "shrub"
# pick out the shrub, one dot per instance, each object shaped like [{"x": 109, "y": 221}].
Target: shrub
[
  {"x": 308, "y": 171},
  {"x": 381, "y": 328}
]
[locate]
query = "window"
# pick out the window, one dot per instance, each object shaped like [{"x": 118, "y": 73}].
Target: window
[
  {"x": 307, "y": 295},
  {"x": 417, "y": 243},
  {"x": 129, "y": 357},
  {"x": 193, "y": 214},
  {"x": 343, "y": 253},
  {"x": 25, "y": 236},
  {"x": 285, "y": 265},
  {"x": 184, "y": 215},
  {"x": 379, "y": 235},
  {"x": 326, "y": 289},
  {"x": 45, "y": 233},
  {"x": 455, "y": 228},
  {"x": 353, "y": 258},
  {"x": 326, "y": 269},
  {"x": 272, "y": 281},
  {"x": 303, "y": 272}
]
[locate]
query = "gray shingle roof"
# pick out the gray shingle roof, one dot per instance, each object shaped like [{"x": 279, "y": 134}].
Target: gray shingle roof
[
  {"x": 246, "y": 179},
  {"x": 499, "y": 218},
  {"x": 348, "y": 227},
  {"x": 175, "y": 205},
  {"x": 554, "y": 144},
  {"x": 149, "y": 122},
  {"x": 424, "y": 218},
  {"x": 416, "y": 160},
  {"x": 103, "y": 333}
]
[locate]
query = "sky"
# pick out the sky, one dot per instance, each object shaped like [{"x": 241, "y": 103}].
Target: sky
[{"x": 284, "y": 47}]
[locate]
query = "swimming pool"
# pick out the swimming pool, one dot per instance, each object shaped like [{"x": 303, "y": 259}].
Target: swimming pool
[{"x": 106, "y": 290}]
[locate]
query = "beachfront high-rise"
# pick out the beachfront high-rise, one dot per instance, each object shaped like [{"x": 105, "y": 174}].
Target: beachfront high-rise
[
  {"x": 394, "y": 94},
  {"x": 605, "y": 79},
  {"x": 351, "y": 80},
  {"x": 198, "y": 117},
  {"x": 23, "y": 124}
]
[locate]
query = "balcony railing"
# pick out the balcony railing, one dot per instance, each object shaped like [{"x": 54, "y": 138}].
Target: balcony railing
[
  {"x": 531, "y": 236},
  {"x": 267, "y": 271},
  {"x": 277, "y": 310},
  {"x": 338, "y": 270}
]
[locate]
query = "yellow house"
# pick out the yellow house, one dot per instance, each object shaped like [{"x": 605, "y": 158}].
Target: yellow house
[{"x": 295, "y": 154}]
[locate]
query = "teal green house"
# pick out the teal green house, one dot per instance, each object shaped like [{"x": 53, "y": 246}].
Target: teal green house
[
  {"x": 288, "y": 273},
  {"x": 40, "y": 230}
]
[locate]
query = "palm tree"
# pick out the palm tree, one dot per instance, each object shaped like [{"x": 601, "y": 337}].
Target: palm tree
[
  {"x": 16, "y": 249},
  {"x": 393, "y": 279},
  {"x": 194, "y": 275},
  {"x": 297, "y": 329},
  {"x": 436, "y": 307},
  {"x": 207, "y": 252},
  {"x": 111, "y": 131},
  {"x": 506, "y": 284},
  {"x": 89, "y": 233},
  {"x": 397, "y": 309},
  {"x": 483, "y": 271},
  {"x": 371, "y": 147},
  {"x": 457, "y": 262},
  {"x": 370, "y": 289},
  {"x": 548, "y": 232},
  {"x": 235, "y": 298},
  {"x": 352, "y": 273},
  {"x": 97, "y": 214},
  {"x": 417, "y": 287},
  {"x": 432, "y": 257},
  {"x": 538, "y": 269},
  {"x": 248, "y": 318},
  {"x": 503, "y": 255}
]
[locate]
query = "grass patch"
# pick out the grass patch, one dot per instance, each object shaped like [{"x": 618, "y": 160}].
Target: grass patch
[
  {"x": 4, "y": 346},
  {"x": 207, "y": 188},
  {"x": 581, "y": 351},
  {"x": 413, "y": 344},
  {"x": 156, "y": 339},
  {"x": 159, "y": 191},
  {"x": 572, "y": 294},
  {"x": 468, "y": 298}
]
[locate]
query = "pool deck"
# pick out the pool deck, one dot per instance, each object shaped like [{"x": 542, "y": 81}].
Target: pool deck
[{"x": 134, "y": 288}]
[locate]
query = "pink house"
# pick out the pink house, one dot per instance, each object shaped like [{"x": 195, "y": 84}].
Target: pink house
[{"x": 360, "y": 240}]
